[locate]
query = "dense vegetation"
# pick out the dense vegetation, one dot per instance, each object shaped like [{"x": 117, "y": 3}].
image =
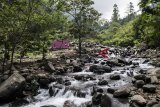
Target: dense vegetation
[
  {"x": 30, "y": 26},
  {"x": 134, "y": 29}
]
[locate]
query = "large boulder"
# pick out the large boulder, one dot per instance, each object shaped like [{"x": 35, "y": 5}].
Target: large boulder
[
  {"x": 115, "y": 77},
  {"x": 101, "y": 99},
  {"x": 106, "y": 101},
  {"x": 140, "y": 77},
  {"x": 12, "y": 87},
  {"x": 149, "y": 88},
  {"x": 100, "y": 69},
  {"x": 157, "y": 105},
  {"x": 138, "y": 99},
  {"x": 122, "y": 93},
  {"x": 155, "y": 74},
  {"x": 139, "y": 83}
]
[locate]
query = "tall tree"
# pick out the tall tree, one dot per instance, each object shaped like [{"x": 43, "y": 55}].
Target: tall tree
[
  {"x": 131, "y": 11},
  {"x": 150, "y": 18},
  {"x": 115, "y": 15},
  {"x": 84, "y": 19}
]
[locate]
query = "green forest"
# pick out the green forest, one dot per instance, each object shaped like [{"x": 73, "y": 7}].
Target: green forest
[{"x": 103, "y": 59}]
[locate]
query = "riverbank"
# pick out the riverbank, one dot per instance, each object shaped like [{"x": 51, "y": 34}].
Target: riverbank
[{"x": 128, "y": 77}]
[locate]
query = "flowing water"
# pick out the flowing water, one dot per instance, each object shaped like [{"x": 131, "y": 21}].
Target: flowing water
[
  {"x": 63, "y": 94},
  {"x": 58, "y": 100}
]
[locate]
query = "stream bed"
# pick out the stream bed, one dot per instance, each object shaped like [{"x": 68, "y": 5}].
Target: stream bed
[{"x": 85, "y": 87}]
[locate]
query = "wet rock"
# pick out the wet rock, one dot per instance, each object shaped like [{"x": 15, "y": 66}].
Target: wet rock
[
  {"x": 113, "y": 62},
  {"x": 67, "y": 83},
  {"x": 69, "y": 104},
  {"x": 103, "y": 63},
  {"x": 12, "y": 87},
  {"x": 122, "y": 93},
  {"x": 44, "y": 82},
  {"x": 140, "y": 77},
  {"x": 133, "y": 80},
  {"x": 100, "y": 90},
  {"x": 141, "y": 71},
  {"x": 81, "y": 94},
  {"x": 60, "y": 70},
  {"x": 139, "y": 83},
  {"x": 115, "y": 77},
  {"x": 154, "y": 80},
  {"x": 86, "y": 58},
  {"x": 148, "y": 80},
  {"x": 77, "y": 69},
  {"x": 152, "y": 102},
  {"x": 157, "y": 105},
  {"x": 43, "y": 79},
  {"x": 59, "y": 80},
  {"x": 100, "y": 69},
  {"x": 48, "y": 106},
  {"x": 84, "y": 77},
  {"x": 149, "y": 88},
  {"x": 51, "y": 91},
  {"x": 96, "y": 99},
  {"x": 102, "y": 82},
  {"x": 96, "y": 62},
  {"x": 123, "y": 61},
  {"x": 88, "y": 104},
  {"x": 155, "y": 73},
  {"x": 106, "y": 101},
  {"x": 49, "y": 67},
  {"x": 111, "y": 90},
  {"x": 138, "y": 99}
]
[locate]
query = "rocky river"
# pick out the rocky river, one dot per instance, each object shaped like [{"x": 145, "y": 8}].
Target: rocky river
[{"x": 128, "y": 78}]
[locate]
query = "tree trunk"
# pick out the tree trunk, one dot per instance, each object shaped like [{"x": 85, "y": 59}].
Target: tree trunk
[
  {"x": 6, "y": 56},
  {"x": 80, "y": 46},
  {"x": 12, "y": 55},
  {"x": 43, "y": 51}
]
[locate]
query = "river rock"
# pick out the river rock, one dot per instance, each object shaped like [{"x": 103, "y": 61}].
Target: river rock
[
  {"x": 48, "y": 106},
  {"x": 84, "y": 77},
  {"x": 111, "y": 90},
  {"x": 123, "y": 61},
  {"x": 122, "y": 93},
  {"x": 157, "y": 105},
  {"x": 140, "y": 77},
  {"x": 113, "y": 62},
  {"x": 51, "y": 91},
  {"x": 69, "y": 104},
  {"x": 81, "y": 94},
  {"x": 149, "y": 88},
  {"x": 49, "y": 67},
  {"x": 115, "y": 77},
  {"x": 139, "y": 83},
  {"x": 152, "y": 102},
  {"x": 102, "y": 82},
  {"x": 106, "y": 101},
  {"x": 96, "y": 99},
  {"x": 100, "y": 69},
  {"x": 138, "y": 99},
  {"x": 77, "y": 69},
  {"x": 155, "y": 74},
  {"x": 12, "y": 87}
]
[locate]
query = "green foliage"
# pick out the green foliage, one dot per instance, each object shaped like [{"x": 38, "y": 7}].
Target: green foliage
[{"x": 119, "y": 35}]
